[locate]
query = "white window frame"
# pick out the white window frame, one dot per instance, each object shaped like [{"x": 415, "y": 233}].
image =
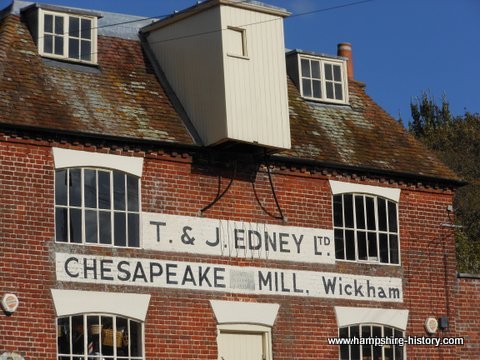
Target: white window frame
[
  {"x": 66, "y": 37},
  {"x": 111, "y": 210},
  {"x": 248, "y": 329},
  {"x": 323, "y": 61}
]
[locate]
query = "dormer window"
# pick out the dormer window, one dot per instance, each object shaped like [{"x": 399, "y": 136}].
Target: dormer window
[
  {"x": 67, "y": 36},
  {"x": 319, "y": 78}
]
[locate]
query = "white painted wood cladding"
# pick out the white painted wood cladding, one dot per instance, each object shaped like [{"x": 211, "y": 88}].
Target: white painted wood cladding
[{"x": 228, "y": 95}]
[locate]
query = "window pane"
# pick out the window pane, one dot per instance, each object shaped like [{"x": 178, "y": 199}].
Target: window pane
[
  {"x": 120, "y": 229},
  {"x": 383, "y": 248},
  {"x": 315, "y": 69},
  {"x": 306, "y": 87},
  {"x": 119, "y": 190},
  {"x": 382, "y": 215},
  {"x": 366, "y": 349},
  {"x": 317, "y": 89},
  {"x": 58, "y": 45},
  {"x": 398, "y": 352},
  {"x": 91, "y": 226},
  {"x": 133, "y": 230},
  {"x": 108, "y": 338},
  {"x": 63, "y": 335},
  {"x": 76, "y": 226},
  {"x": 86, "y": 53},
  {"x": 350, "y": 244},
  {"x": 90, "y": 188},
  {"x": 372, "y": 245},
  {"x": 93, "y": 334},
  {"x": 393, "y": 249},
  {"x": 73, "y": 49},
  {"x": 339, "y": 247},
  {"x": 48, "y": 24},
  {"x": 135, "y": 338},
  {"x": 75, "y": 187},
  {"x": 329, "y": 87},
  {"x": 338, "y": 92},
  {"x": 48, "y": 44},
  {"x": 348, "y": 210},
  {"x": 104, "y": 190},
  {"x": 59, "y": 25},
  {"x": 360, "y": 212},
  {"x": 78, "y": 335},
  {"x": 122, "y": 328},
  {"x": 337, "y": 210},
  {"x": 392, "y": 216},
  {"x": 61, "y": 187},
  {"x": 74, "y": 27},
  {"x": 344, "y": 352},
  {"x": 105, "y": 227},
  {"x": 305, "y": 67},
  {"x": 132, "y": 189},
  {"x": 337, "y": 74},
  {"x": 355, "y": 349},
  {"x": 86, "y": 29},
  {"x": 343, "y": 333},
  {"x": 362, "y": 245},
  {"x": 370, "y": 213},
  {"x": 328, "y": 72},
  {"x": 61, "y": 224}
]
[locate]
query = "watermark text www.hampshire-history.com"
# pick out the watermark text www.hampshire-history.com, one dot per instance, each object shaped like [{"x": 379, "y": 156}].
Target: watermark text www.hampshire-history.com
[{"x": 399, "y": 341}]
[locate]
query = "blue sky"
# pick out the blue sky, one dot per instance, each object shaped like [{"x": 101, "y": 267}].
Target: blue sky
[{"x": 400, "y": 47}]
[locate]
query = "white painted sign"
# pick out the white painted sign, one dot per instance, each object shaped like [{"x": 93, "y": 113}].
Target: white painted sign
[
  {"x": 237, "y": 239},
  {"x": 224, "y": 278}
]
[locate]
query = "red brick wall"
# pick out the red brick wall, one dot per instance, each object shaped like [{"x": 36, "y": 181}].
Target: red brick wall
[
  {"x": 180, "y": 323},
  {"x": 468, "y": 316}
]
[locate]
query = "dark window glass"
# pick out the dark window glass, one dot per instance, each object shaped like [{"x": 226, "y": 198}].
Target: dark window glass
[
  {"x": 383, "y": 248},
  {"x": 104, "y": 190},
  {"x": 315, "y": 69},
  {"x": 120, "y": 229},
  {"x": 344, "y": 352},
  {"x": 348, "y": 210},
  {"x": 74, "y": 27},
  {"x": 370, "y": 213},
  {"x": 135, "y": 338},
  {"x": 119, "y": 190},
  {"x": 362, "y": 245},
  {"x": 360, "y": 212},
  {"x": 399, "y": 353},
  {"x": 93, "y": 333},
  {"x": 58, "y": 45},
  {"x": 59, "y": 25},
  {"x": 317, "y": 89},
  {"x": 382, "y": 215},
  {"x": 48, "y": 24},
  {"x": 86, "y": 29},
  {"x": 132, "y": 191},
  {"x": 307, "y": 90},
  {"x": 91, "y": 226},
  {"x": 78, "y": 335},
  {"x": 48, "y": 44},
  {"x": 108, "y": 341},
  {"x": 337, "y": 210},
  {"x": 105, "y": 218},
  {"x": 377, "y": 350},
  {"x": 63, "y": 335},
  {"x": 61, "y": 187},
  {"x": 305, "y": 67},
  {"x": 75, "y": 185},
  {"x": 392, "y": 217},
  {"x": 76, "y": 226},
  {"x": 394, "y": 249},
  {"x": 366, "y": 349},
  {"x": 372, "y": 245},
  {"x": 329, "y": 87},
  {"x": 86, "y": 52},
  {"x": 337, "y": 73},
  {"x": 350, "y": 244},
  {"x": 73, "y": 49},
  {"x": 61, "y": 233},
  {"x": 338, "y": 92},
  {"x": 339, "y": 248},
  {"x": 90, "y": 188},
  {"x": 328, "y": 72},
  {"x": 133, "y": 230}
]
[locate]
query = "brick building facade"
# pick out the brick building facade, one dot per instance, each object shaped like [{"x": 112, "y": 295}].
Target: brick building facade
[{"x": 124, "y": 235}]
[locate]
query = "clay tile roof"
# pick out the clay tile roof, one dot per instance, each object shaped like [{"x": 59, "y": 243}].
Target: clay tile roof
[
  {"x": 360, "y": 135},
  {"x": 124, "y": 98}
]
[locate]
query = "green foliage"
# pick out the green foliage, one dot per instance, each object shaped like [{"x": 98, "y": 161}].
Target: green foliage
[{"x": 456, "y": 141}]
